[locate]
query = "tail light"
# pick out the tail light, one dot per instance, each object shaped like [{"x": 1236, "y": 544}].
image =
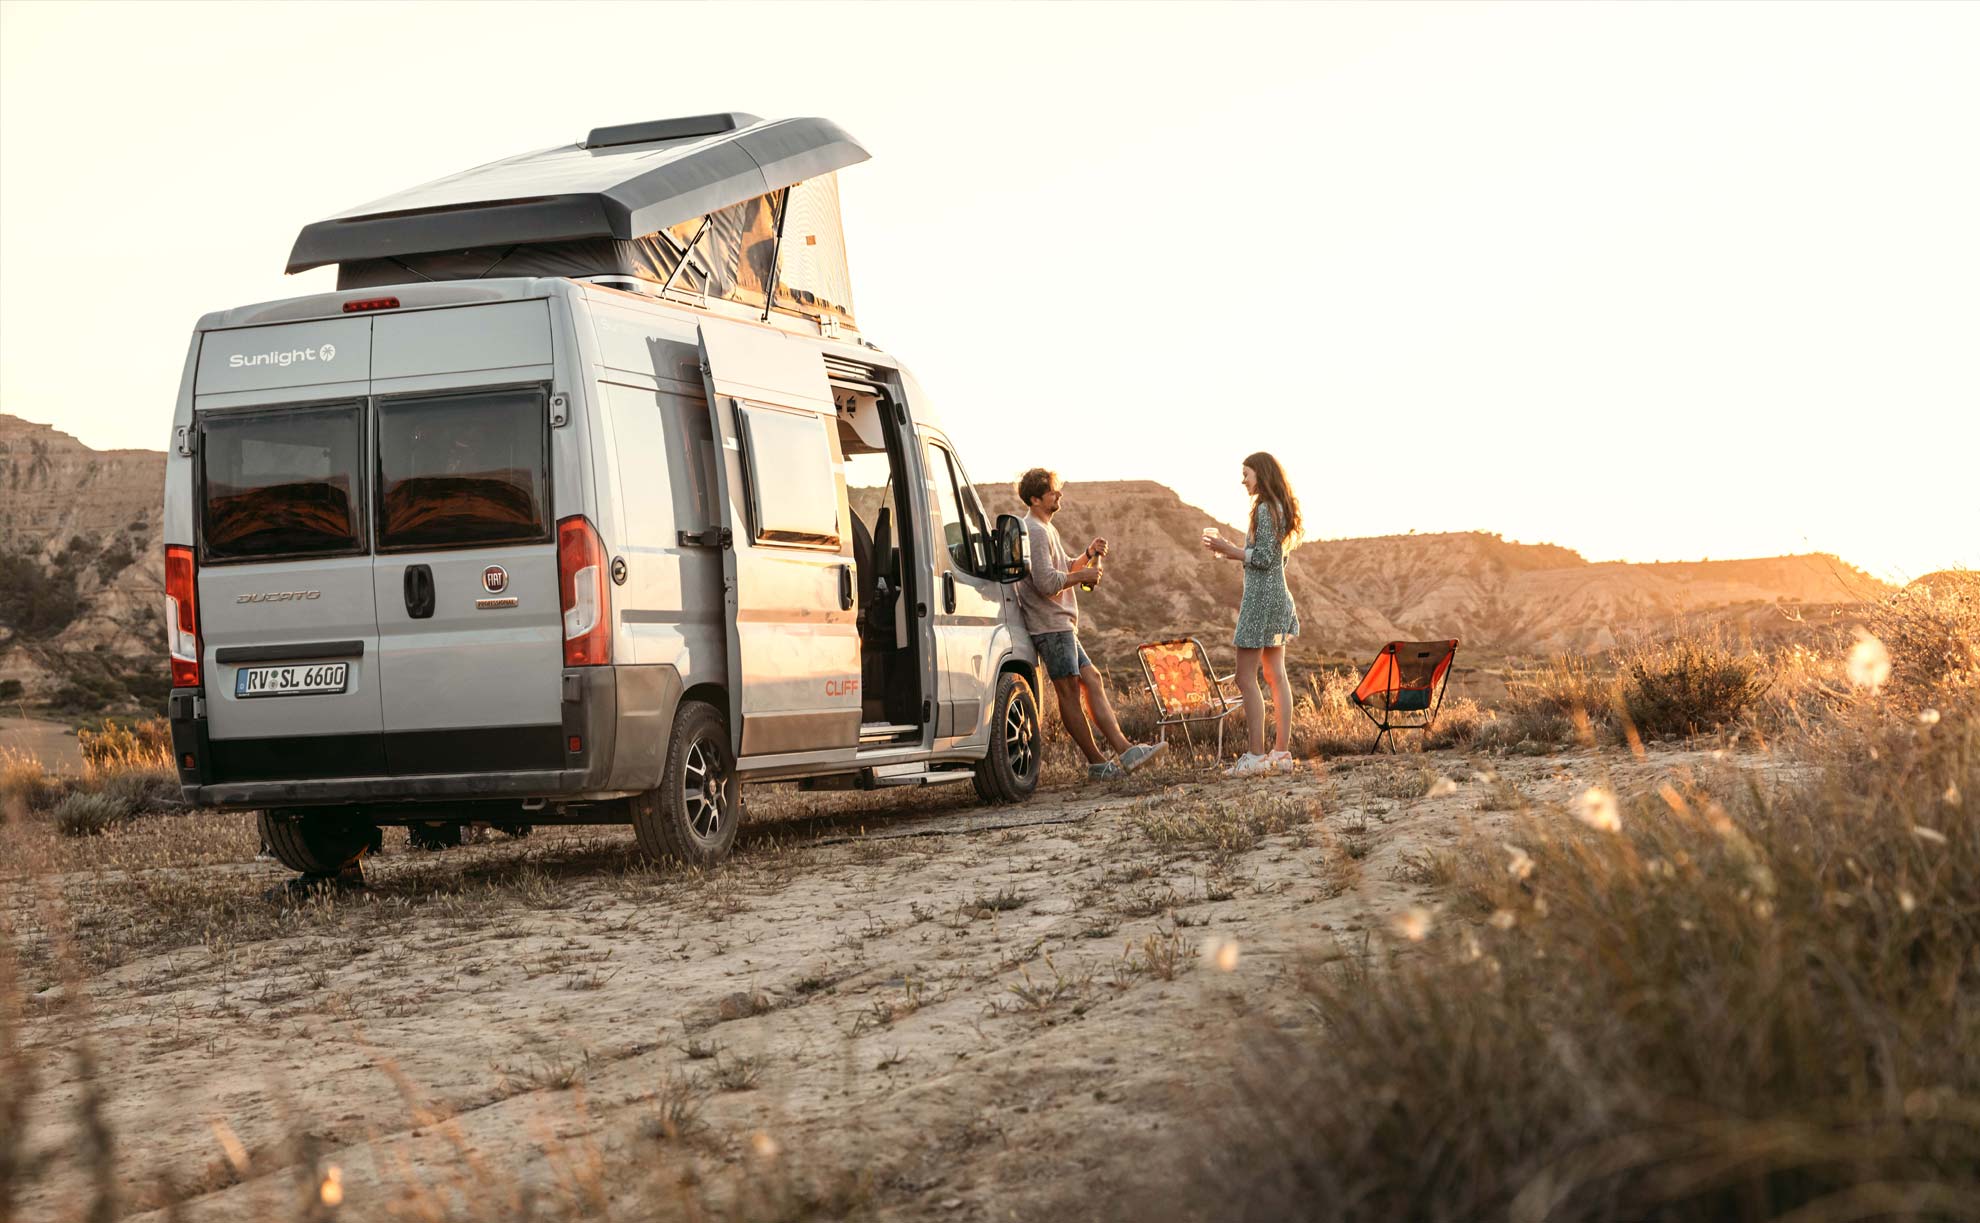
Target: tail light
[
  {"x": 581, "y": 586},
  {"x": 182, "y": 617}
]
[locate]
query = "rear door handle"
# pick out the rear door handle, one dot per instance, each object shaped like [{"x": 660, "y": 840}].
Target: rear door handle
[
  {"x": 419, "y": 591},
  {"x": 949, "y": 591},
  {"x": 845, "y": 587}
]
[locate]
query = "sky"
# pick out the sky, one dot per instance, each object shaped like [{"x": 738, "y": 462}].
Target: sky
[{"x": 1653, "y": 282}]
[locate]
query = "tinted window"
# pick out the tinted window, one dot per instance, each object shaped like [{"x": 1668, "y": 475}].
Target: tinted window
[
  {"x": 281, "y": 483},
  {"x": 460, "y": 470},
  {"x": 794, "y": 485},
  {"x": 962, "y": 520}
]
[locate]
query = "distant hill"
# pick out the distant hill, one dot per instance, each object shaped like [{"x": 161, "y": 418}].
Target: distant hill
[
  {"x": 1501, "y": 598},
  {"x": 82, "y": 582},
  {"x": 82, "y": 572}
]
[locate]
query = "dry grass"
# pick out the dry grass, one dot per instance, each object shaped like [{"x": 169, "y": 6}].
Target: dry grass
[{"x": 1736, "y": 1003}]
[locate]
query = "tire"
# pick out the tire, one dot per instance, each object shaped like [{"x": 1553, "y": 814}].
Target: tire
[
  {"x": 314, "y": 841},
  {"x": 434, "y": 835},
  {"x": 692, "y": 816},
  {"x": 1009, "y": 774}
]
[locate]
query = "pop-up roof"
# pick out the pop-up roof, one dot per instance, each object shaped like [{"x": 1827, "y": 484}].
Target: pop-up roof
[{"x": 628, "y": 200}]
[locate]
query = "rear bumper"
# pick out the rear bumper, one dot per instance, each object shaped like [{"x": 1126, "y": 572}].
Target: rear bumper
[{"x": 349, "y": 769}]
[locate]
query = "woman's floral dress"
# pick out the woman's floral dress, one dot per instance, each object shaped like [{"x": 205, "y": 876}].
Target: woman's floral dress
[{"x": 1266, "y": 616}]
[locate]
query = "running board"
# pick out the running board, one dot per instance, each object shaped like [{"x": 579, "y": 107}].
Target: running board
[{"x": 920, "y": 777}]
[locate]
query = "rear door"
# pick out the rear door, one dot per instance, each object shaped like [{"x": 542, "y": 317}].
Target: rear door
[
  {"x": 793, "y": 639},
  {"x": 470, "y": 627},
  {"x": 290, "y": 636}
]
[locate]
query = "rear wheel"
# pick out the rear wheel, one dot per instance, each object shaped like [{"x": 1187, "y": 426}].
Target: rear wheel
[
  {"x": 693, "y": 815},
  {"x": 1009, "y": 773},
  {"x": 314, "y": 841}
]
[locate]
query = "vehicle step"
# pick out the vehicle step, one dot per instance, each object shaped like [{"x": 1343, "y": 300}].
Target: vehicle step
[
  {"x": 921, "y": 777},
  {"x": 875, "y": 732}
]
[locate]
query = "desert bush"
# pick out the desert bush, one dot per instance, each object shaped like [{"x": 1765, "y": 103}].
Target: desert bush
[
  {"x": 25, "y": 786},
  {"x": 1688, "y": 685},
  {"x": 1931, "y": 630},
  {"x": 123, "y": 745},
  {"x": 1572, "y": 696},
  {"x": 86, "y": 814},
  {"x": 1713, "y": 1002}
]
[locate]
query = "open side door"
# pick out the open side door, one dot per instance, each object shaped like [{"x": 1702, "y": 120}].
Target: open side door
[{"x": 787, "y": 567}]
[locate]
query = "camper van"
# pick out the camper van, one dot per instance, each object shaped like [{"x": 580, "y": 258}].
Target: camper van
[{"x": 582, "y": 500}]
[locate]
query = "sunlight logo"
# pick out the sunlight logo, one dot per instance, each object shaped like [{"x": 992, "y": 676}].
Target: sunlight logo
[{"x": 327, "y": 352}]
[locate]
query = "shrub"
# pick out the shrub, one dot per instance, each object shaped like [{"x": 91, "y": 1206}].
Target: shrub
[
  {"x": 118, "y": 745},
  {"x": 10, "y": 689},
  {"x": 1738, "y": 1005},
  {"x": 1688, "y": 685},
  {"x": 1932, "y": 631},
  {"x": 1571, "y": 696},
  {"x": 85, "y": 814},
  {"x": 25, "y": 786}
]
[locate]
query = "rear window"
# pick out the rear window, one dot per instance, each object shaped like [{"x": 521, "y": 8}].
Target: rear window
[
  {"x": 458, "y": 471},
  {"x": 281, "y": 483}
]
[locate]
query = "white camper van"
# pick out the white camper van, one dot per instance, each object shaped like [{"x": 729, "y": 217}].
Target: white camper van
[{"x": 582, "y": 500}]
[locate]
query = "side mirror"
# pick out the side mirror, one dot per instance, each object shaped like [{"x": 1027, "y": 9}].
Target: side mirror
[{"x": 1010, "y": 550}]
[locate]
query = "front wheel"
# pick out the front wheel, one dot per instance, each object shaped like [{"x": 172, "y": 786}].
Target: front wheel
[
  {"x": 317, "y": 841},
  {"x": 693, "y": 815},
  {"x": 1009, "y": 773}
]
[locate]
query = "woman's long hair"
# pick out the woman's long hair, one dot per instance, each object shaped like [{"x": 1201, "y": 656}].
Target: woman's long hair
[{"x": 1275, "y": 492}]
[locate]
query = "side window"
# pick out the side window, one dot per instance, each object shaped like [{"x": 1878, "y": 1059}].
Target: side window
[
  {"x": 973, "y": 517},
  {"x": 961, "y": 519},
  {"x": 793, "y": 478}
]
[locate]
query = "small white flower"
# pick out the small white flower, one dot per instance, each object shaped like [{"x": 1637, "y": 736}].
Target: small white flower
[
  {"x": 1928, "y": 717},
  {"x": 1413, "y": 923},
  {"x": 1520, "y": 865},
  {"x": 1222, "y": 952},
  {"x": 1502, "y": 919},
  {"x": 1869, "y": 663},
  {"x": 1597, "y": 808},
  {"x": 1443, "y": 787},
  {"x": 1906, "y": 900}
]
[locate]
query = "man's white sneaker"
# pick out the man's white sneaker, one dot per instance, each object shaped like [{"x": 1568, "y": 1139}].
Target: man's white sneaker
[
  {"x": 1281, "y": 762},
  {"x": 1249, "y": 765}
]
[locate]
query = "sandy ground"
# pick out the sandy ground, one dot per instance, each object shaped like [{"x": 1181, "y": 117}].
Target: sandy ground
[
  {"x": 54, "y": 743},
  {"x": 977, "y": 1013}
]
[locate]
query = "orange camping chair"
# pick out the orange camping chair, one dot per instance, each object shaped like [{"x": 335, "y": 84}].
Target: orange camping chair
[
  {"x": 1186, "y": 689},
  {"x": 1405, "y": 685}
]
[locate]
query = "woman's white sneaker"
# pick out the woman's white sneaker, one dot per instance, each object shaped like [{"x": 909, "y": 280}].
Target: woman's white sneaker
[
  {"x": 1248, "y": 765},
  {"x": 1281, "y": 762}
]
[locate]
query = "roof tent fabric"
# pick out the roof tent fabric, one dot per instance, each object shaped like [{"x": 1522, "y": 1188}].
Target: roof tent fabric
[{"x": 577, "y": 192}]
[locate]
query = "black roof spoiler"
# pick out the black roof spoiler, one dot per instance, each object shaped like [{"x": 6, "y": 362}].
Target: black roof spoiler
[{"x": 622, "y": 182}]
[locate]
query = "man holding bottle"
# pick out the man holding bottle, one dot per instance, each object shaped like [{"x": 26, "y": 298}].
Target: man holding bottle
[{"x": 1051, "y": 615}]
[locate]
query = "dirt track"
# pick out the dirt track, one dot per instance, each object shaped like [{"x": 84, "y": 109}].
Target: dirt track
[{"x": 973, "y": 1013}]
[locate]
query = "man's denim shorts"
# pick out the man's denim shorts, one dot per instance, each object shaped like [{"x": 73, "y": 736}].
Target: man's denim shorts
[{"x": 1061, "y": 653}]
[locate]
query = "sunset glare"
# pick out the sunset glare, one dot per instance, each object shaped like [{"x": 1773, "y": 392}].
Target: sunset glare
[{"x": 1649, "y": 282}]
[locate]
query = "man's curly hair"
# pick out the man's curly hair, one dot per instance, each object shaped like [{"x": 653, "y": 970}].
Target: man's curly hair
[{"x": 1036, "y": 483}]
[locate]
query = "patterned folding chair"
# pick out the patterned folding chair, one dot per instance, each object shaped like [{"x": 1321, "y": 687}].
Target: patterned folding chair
[
  {"x": 1186, "y": 689},
  {"x": 1405, "y": 685}
]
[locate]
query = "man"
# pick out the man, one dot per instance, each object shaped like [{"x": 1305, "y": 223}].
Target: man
[{"x": 1050, "y": 604}]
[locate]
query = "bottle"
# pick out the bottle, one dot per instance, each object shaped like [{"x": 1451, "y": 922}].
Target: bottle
[{"x": 1098, "y": 561}]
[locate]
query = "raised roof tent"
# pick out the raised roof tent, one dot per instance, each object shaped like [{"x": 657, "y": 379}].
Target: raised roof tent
[{"x": 626, "y": 200}]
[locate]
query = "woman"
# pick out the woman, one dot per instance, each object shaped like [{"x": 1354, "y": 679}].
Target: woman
[{"x": 1267, "y": 618}]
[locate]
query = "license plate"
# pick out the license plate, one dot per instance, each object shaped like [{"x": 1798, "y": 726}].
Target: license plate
[{"x": 299, "y": 680}]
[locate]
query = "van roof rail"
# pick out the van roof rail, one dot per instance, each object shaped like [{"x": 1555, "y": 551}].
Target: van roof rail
[{"x": 638, "y": 179}]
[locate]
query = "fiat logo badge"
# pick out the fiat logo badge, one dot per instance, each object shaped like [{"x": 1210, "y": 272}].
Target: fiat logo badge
[{"x": 494, "y": 579}]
